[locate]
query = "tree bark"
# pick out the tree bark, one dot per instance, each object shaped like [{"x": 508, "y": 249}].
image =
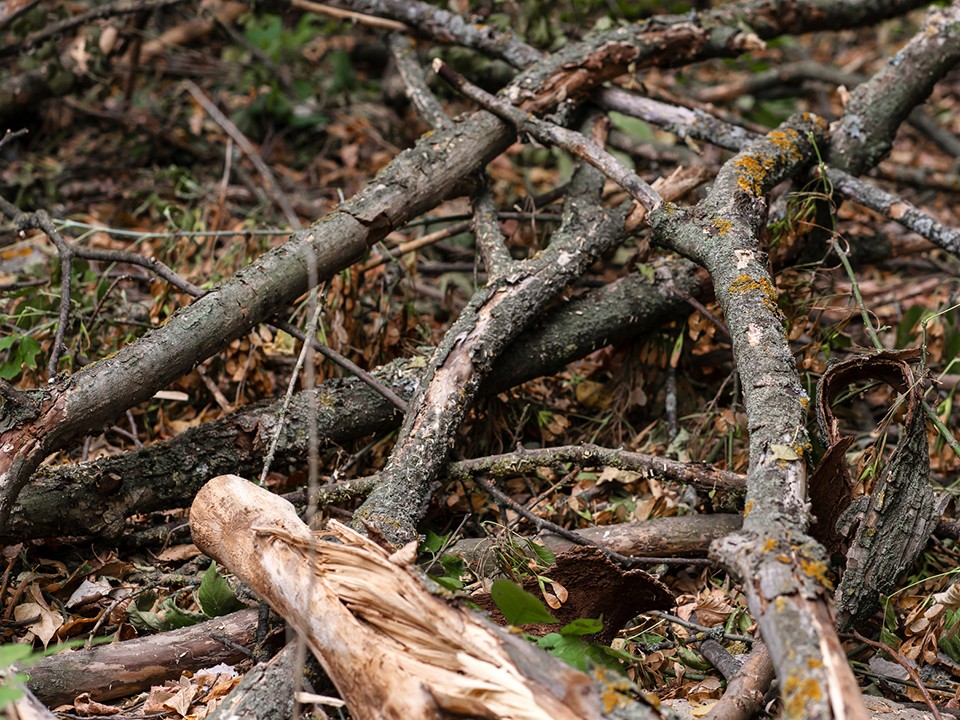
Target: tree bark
[
  {"x": 121, "y": 669},
  {"x": 95, "y": 498}
]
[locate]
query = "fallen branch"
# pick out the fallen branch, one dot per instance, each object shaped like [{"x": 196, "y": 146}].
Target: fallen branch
[
  {"x": 125, "y": 668},
  {"x": 772, "y": 554},
  {"x": 94, "y": 498},
  {"x": 360, "y": 607}
]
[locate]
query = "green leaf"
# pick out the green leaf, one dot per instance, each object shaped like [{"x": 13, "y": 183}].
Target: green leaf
[
  {"x": 518, "y": 606},
  {"x": 445, "y": 581},
  {"x": 140, "y": 612},
  {"x": 174, "y": 617},
  {"x": 215, "y": 595},
  {"x": 572, "y": 650},
  {"x": 582, "y": 626},
  {"x": 583, "y": 654},
  {"x": 908, "y": 322},
  {"x": 691, "y": 659},
  {"x": 29, "y": 349},
  {"x": 637, "y": 129},
  {"x": 543, "y": 554},
  {"x": 453, "y": 565},
  {"x": 433, "y": 542}
]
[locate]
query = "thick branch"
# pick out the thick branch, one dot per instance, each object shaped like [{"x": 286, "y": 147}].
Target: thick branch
[
  {"x": 358, "y": 607},
  {"x": 782, "y": 568},
  {"x": 416, "y": 181},
  {"x": 876, "y": 109},
  {"x": 95, "y": 498},
  {"x": 481, "y": 333},
  {"x": 120, "y": 669}
]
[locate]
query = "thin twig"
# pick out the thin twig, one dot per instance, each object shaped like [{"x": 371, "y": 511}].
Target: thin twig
[
  {"x": 415, "y": 244},
  {"x": 622, "y": 560},
  {"x": 893, "y": 207},
  {"x": 910, "y": 670},
  {"x": 67, "y": 252},
  {"x": 702, "y": 309},
  {"x": 369, "y": 20},
  {"x": 11, "y": 135},
  {"x": 275, "y": 440},
  {"x": 526, "y": 460},
  {"x": 347, "y": 364},
  {"x": 426, "y": 103},
  {"x": 708, "y": 631},
  {"x": 124, "y": 7},
  {"x": 273, "y": 187},
  {"x": 152, "y": 264},
  {"x": 573, "y": 142}
]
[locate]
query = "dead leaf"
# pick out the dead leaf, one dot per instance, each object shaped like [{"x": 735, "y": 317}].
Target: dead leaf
[
  {"x": 713, "y": 609},
  {"x": 89, "y": 591},
  {"x": 46, "y": 624},
  {"x": 178, "y": 553},
  {"x": 86, "y": 707}
]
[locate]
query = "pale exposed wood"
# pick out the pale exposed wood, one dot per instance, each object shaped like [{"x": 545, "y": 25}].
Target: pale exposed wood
[{"x": 392, "y": 648}]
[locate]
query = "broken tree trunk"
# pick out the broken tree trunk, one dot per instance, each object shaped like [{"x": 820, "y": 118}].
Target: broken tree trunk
[{"x": 392, "y": 648}]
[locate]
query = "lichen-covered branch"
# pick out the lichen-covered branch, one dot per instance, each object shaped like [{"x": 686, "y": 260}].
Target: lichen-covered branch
[
  {"x": 895, "y": 208},
  {"x": 414, "y": 182},
  {"x": 781, "y": 567},
  {"x": 876, "y": 109},
  {"x": 95, "y": 498},
  {"x": 573, "y": 142}
]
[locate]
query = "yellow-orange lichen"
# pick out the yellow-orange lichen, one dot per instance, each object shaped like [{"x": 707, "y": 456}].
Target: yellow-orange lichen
[
  {"x": 744, "y": 284},
  {"x": 786, "y": 140},
  {"x": 751, "y": 175},
  {"x": 722, "y": 225},
  {"x": 797, "y": 693},
  {"x": 816, "y": 569}
]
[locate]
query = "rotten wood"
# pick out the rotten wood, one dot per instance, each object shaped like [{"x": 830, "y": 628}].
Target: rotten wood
[{"x": 887, "y": 522}]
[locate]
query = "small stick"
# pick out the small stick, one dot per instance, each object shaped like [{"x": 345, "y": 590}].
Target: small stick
[
  {"x": 273, "y": 187},
  {"x": 574, "y": 142},
  {"x": 339, "y": 14},
  {"x": 910, "y": 670},
  {"x": 622, "y": 560}
]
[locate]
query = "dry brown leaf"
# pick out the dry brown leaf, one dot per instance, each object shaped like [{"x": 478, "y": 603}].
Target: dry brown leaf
[
  {"x": 178, "y": 553},
  {"x": 44, "y": 627},
  {"x": 713, "y": 608},
  {"x": 84, "y": 706}
]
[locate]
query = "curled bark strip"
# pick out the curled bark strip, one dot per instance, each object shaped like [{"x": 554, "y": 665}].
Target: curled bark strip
[{"x": 888, "y": 524}]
